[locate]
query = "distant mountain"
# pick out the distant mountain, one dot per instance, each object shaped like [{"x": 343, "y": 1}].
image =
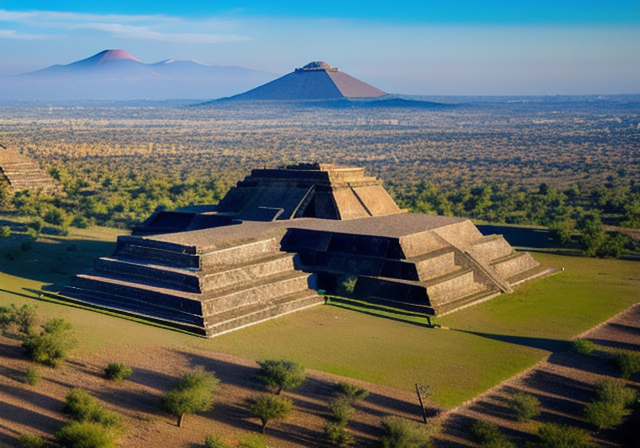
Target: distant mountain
[
  {"x": 315, "y": 81},
  {"x": 117, "y": 75}
]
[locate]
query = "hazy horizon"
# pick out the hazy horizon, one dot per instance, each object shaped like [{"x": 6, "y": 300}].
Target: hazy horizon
[{"x": 462, "y": 47}]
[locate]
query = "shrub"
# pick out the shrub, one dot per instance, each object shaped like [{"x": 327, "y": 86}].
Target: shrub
[
  {"x": 281, "y": 374},
  {"x": 27, "y": 441},
  {"x": 348, "y": 285},
  {"x": 19, "y": 322},
  {"x": 5, "y": 232},
  {"x": 526, "y": 406},
  {"x": 31, "y": 376},
  {"x": 214, "y": 442},
  {"x": 341, "y": 409},
  {"x": 338, "y": 435},
  {"x": 193, "y": 393},
  {"x": 603, "y": 414},
  {"x": 269, "y": 407},
  {"x": 252, "y": 441},
  {"x": 616, "y": 391},
  {"x": 583, "y": 346},
  {"x": 399, "y": 432},
  {"x": 82, "y": 407},
  {"x": 488, "y": 435},
  {"x": 117, "y": 372},
  {"x": 353, "y": 392},
  {"x": 628, "y": 362},
  {"x": 86, "y": 435},
  {"x": 561, "y": 436},
  {"x": 80, "y": 222},
  {"x": 53, "y": 344}
]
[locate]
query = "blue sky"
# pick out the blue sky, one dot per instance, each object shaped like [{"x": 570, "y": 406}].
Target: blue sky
[{"x": 453, "y": 47}]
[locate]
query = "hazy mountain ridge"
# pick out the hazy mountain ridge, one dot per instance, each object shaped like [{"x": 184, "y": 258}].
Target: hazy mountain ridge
[{"x": 117, "y": 75}]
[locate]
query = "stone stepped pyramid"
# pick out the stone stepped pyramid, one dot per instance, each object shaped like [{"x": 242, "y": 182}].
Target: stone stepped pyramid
[
  {"x": 23, "y": 173},
  {"x": 281, "y": 232},
  {"x": 207, "y": 290}
]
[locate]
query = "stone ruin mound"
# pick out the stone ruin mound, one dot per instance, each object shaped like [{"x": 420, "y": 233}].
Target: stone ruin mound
[
  {"x": 280, "y": 235},
  {"x": 22, "y": 173}
]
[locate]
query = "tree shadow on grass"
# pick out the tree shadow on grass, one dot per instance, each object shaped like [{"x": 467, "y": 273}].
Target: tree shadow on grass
[
  {"x": 549, "y": 345},
  {"x": 397, "y": 316},
  {"x": 54, "y": 263},
  {"x": 596, "y": 362}
]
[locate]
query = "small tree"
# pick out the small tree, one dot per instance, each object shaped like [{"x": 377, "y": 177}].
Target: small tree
[
  {"x": 28, "y": 441},
  {"x": 488, "y": 435},
  {"x": 281, "y": 374},
  {"x": 82, "y": 407},
  {"x": 116, "y": 371},
  {"x": 351, "y": 391},
  {"x": 31, "y": 376},
  {"x": 53, "y": 344},
  {"x": 86, "y": 434},
  {"x": 583, "y": 346},
  {"x": 561, "y": 436},
  {"x": 269, "y": 407},
  {"x": 5, "y": 232},
  {"x": 628, "y": 362},
  {"x": 603, "y": 414},
  {"x": 341, "y": 409},
  {"x": 192, "y": 394},
  {"x": 338, "y": 435},
  {"x": 526, "y": 406},
  {"x": 615, "y": 391},
  {"x": 402, "y": 433}
]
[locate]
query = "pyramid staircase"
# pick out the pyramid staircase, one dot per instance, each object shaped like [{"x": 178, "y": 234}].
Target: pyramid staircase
[
  {"x": 24, "y": 174},
  {"x": 204, "y": 291},
  {"x": 439, "y": 279}
]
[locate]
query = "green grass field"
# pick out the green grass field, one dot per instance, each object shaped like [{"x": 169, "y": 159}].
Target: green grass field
[{"x": 485, "y": 344}]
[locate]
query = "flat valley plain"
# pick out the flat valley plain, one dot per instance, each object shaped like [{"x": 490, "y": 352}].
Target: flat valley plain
[{"x": 527, "y": 140}]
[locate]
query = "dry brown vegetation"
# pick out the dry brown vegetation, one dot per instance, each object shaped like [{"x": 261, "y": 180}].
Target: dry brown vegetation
[{"x": 557, "y": 141}]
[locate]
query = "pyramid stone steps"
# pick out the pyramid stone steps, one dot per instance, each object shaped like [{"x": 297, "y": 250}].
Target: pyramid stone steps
[
  {"x": 158, "y": 256},
  {"x": 464, "y": 301},
  {"x": 531, "y": 273},
  {"x": 150, "y": 292},
  {"x": 452, "y": 286},
  {"x": 436, "y": 263},
  {"x": 171, "y": 277},
  {"x": 490, "y": 248},
  {"x": 514, "y": 264},
  {"x": 255, "y": 269},
  {"x": 261, "y": 291},
  {"x": 252, "y": 314},
  {"x": 127, "y": 303},
  {"x": 238, "y": 253}
]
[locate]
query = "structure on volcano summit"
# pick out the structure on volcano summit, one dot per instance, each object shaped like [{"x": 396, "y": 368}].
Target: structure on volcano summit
[
  {"x": 315, "y": 81},
  {"x": 279, "y": 235}
]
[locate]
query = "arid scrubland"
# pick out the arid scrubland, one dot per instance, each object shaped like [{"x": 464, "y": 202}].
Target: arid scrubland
[
  {"x": 526, "y": 142},
  {"x": 530, "y": 160}
]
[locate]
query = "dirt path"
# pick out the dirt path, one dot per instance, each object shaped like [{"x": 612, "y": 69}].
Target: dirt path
[{"x": 564, "y": 385}]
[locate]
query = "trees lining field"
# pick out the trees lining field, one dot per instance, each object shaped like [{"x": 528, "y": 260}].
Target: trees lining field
[{"x": 548, "y": 161}]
